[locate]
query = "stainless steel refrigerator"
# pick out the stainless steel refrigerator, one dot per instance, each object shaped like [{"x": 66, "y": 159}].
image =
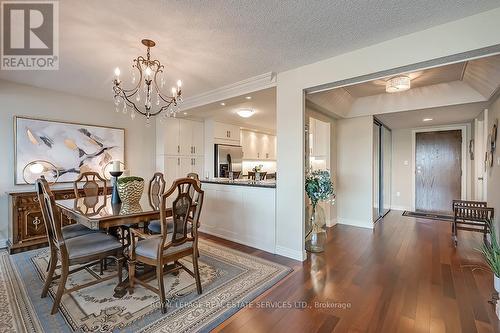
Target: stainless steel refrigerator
[{"x": 227, "y": 158}]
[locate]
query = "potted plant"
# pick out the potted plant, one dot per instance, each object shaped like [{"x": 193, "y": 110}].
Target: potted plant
[
  {"x": 491, "y": 254},
  {"x": 319, "y": 187},
  {"x": 257, "y": 169}
]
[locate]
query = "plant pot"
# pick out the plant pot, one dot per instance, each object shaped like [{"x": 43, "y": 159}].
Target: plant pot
[
  {"x": 316, "y": 231},
  {"x": 131, "y": 192},
  {"x": 496, "y": 283}
]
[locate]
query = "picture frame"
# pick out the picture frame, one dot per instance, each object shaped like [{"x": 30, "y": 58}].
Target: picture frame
[{"x": 70, "y": 146}]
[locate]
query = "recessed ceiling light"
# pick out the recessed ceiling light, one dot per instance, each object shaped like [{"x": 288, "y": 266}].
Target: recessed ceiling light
[
  {"x": 245, "y": 113},
  {"x": 222, "y": 103},
  {"x": 248, "y": 97},
  {"x": 185, "y": 113},
  {"x": 397, "y": 84},
  {"x": 427, "y": 119}
]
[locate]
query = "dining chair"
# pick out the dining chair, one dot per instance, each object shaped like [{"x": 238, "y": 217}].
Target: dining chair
[
  {"x": 236, "y": 174},
  {"x": 90, "y": 185},
  {"x": 251, "y": 175},
  {"x": 85, "y": 251},
  {"x": 165, "y": 248},
  {"x": 154, "y": 226},
  {"x": 155, "y": 190},
  {"x": 70, "y": 230}
]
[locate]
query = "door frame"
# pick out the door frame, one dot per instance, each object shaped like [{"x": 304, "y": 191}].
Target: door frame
[{"x": 463, "y": 129}]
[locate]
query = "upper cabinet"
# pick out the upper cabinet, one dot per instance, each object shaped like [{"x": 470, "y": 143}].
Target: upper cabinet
[
  {"x": 179, "y": 137},
  {"x": 258, "y": 146},
  {"x": 226, "y": 133},
  {"x": 319, "y": 138}
]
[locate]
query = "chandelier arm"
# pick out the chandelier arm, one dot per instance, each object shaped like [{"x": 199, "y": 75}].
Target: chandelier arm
[{"x": 132, "y": 104}]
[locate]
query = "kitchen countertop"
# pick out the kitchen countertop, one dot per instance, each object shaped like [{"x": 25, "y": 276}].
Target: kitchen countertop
[{"x": 241, "y": 182}]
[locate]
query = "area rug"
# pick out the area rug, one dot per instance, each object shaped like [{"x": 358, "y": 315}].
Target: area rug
[
  {"x": 230, "y": 280},
  {"x": 429, "y": 216}
]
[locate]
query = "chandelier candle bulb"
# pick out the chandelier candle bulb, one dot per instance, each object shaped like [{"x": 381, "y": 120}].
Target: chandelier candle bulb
[
  {"x": 117, "y": 72},
  {"x": 174, "y": 91}
]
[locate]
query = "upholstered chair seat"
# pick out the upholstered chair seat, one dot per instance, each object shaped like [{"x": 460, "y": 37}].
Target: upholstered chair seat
[
  {"x": 155, "y": 226},
  {"x": 91, "y": 244},
  {"x": 75, "y": 230},
  {"x": 149, "y": 248}
]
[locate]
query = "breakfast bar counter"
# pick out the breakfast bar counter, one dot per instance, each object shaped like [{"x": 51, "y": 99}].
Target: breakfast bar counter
[{"x": 240, "y": 211}]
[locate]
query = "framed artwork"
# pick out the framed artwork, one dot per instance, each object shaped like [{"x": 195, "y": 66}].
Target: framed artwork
[{"x": 72, "y": 148}]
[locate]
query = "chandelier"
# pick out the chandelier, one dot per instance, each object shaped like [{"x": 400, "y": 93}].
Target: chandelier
[{"x": 146, "y": 89}]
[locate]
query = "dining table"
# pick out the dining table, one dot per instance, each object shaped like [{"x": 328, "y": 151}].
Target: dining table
[{"x": 98, "y": 213}]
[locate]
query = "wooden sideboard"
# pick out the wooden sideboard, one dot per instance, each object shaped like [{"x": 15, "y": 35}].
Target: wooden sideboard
[{"x": 27, "y": 229}]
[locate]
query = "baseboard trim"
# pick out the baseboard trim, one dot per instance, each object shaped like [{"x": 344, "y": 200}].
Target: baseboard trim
[
  {"x": 356, "y": 223},
  {"x": 3, "y": 243},
  {"x": 239, "y": 241},
  {"x": 290, "y": 253},
  {"x": 402, "y": 208}
]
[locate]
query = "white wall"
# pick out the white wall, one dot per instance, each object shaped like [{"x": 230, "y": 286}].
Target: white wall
[
  {"x": 471, "y": 33},
  {"x": 494, "y": 172},
  {"x": 22, "y": 100},
  {"x": 354, "y": 171}
]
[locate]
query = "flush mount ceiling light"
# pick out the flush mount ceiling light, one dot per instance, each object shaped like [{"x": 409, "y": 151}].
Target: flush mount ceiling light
[
  {"x": 397, "y": 84},
  {"x": 245, "y": 113},
  {"x": 223, "y": 104},
  {"x": 427, "y": 119},
  {"x": 248, "y": 97}
]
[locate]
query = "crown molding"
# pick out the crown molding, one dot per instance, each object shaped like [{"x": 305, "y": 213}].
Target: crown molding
[{"x": 246, "y": 86}]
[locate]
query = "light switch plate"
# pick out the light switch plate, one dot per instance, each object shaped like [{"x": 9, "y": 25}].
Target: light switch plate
[{"x": 406, "y": 162}]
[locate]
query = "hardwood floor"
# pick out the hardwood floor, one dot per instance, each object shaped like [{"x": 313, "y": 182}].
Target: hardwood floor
[{"x": 404, "y": 276}]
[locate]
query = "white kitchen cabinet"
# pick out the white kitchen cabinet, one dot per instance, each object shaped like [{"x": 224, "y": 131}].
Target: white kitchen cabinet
[
  {"x": 226, "y": 133},
  {"x": 169, "y": 135},
  {"x": 319, "y": 138},
  {"x": 180, "y": 137},
  {"x": 175, "y": 167},
  {"x": 258, "y": 146},
  {"x": 242, "y": 214},
  {"x": 197, "y": 138}
]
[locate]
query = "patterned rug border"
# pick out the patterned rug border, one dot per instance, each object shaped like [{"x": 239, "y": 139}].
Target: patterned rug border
[
  {"x": 13, "y": 288},
  {"x": 226, "y": 312}
]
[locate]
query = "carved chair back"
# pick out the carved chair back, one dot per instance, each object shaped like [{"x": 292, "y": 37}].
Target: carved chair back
[
  {"x": 156, "y": 189},
  {"x": 53, "y": 223},
  {"x": 90, "y": 185},
  {"x": 181, "y": 208}
]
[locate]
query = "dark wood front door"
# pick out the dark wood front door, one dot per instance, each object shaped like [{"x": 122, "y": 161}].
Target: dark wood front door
[{"x": 438, "y": 170}]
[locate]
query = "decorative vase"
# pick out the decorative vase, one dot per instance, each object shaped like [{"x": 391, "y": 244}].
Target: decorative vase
[
  {"x": 130, "y": 190},
  {"x": 496, "y": 283},
  {"x": 316, "y": 230}
]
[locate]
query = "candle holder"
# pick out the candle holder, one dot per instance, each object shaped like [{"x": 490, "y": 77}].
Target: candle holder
[{"x": 115, "y": 197}]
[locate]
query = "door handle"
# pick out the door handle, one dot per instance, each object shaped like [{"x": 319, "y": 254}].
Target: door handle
[
  {"x": 178, "y": 149},
  {"x": 480, "y": 178},
  {"x": 178, "y": 161}
]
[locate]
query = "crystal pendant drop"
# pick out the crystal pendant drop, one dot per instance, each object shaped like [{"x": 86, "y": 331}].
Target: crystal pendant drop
[
  {"x": 116, "y": 100},
  {"x": 157, "y": 99},
  {"x": 132, "y": 115},
  {"x": 162, "y": 82},
  {"x": 124, "y": 108},
  {"x": 138, "y": 97}
]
